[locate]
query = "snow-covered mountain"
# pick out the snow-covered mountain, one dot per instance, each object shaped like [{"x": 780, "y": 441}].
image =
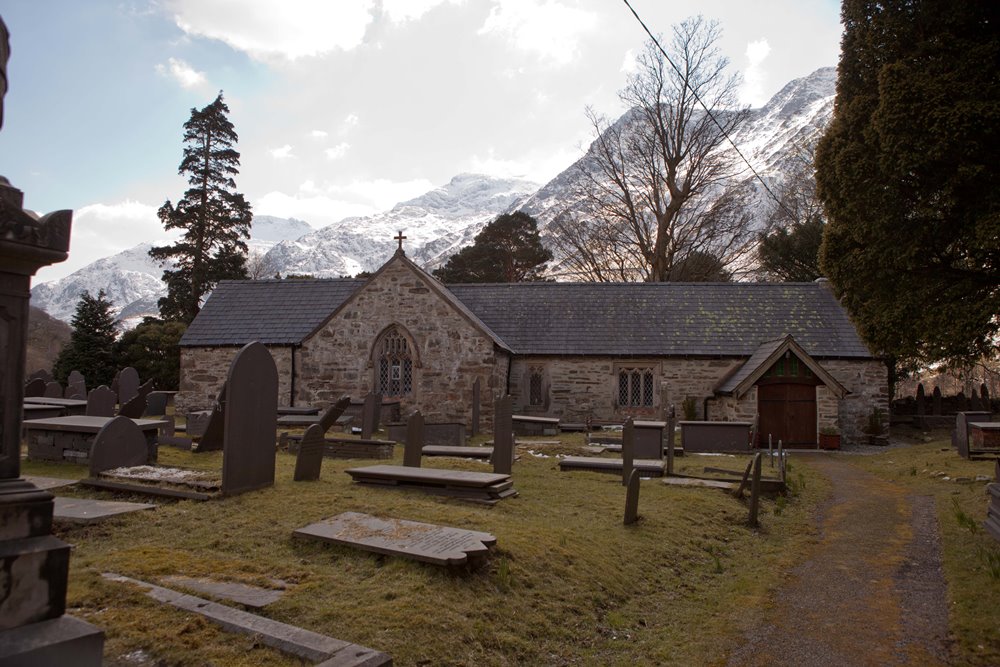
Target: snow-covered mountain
[{"x": 438, "y": 223}]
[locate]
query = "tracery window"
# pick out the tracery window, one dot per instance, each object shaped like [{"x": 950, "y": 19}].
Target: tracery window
[
  {"x": 635, "y": 387},
  {"x": 536, "y": 375},
  {"x": 393, "y": 364}
]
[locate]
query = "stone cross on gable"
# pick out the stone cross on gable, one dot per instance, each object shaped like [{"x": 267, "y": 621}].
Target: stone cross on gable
[{"x": 400, "y": 238}]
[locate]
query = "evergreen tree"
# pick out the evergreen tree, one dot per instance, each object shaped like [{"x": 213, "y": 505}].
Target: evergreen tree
[
  {"x": 215, "y": 218},
  {"x": 91, "y": 347},
  {"x": 791, "y": 254},
  {"x": 508, "y": 250},
  {"x": 908, "y": 175},
  {"x": 153, "y": 349}
]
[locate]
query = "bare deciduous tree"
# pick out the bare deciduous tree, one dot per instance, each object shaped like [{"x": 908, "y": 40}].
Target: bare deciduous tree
[
  {"x": 655, "y": 186},
  {"x": 259, "y": 266}
]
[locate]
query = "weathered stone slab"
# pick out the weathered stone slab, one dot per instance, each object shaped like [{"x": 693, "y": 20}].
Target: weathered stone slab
[
  {"x": 58, "y": 641},
  {"x": 46, "y": 483},
  {"x": 72, "y": 438},
  {"x": 528, "y": 425},
  {"x": 310, "y": 458},
  {"x": 156, "y": 404},
  {"x": 134, "y": 407},
  {"x": 648, "y": 467},
  {"x": 413, "y": 449},
  {"x": 128, "y": 384},
  {"x": 119, "y": 444},
  {"x": 39, "y": 411},
  {"x": 429, "y": 543},
  {"x": 305, "y": 644},
  {"x": 254, "y": 597},
  {"x": 486, "y": 488},
  {"x": 86, "y": 510},
  {"x": 101, "y": 402},
  {"x": 632, "y": 498},
  {"x": 503, "y": 436},
  {"x": 53, "y": 390},
  {"x": 461, "y": 452},
  {"x": 703, "y": 483},
  {"x": 301, "y": 410},
  {"x": 72, "y": 406},
  {"x": 649, "y": 439},
  {"x": 250, "y": 421},
  {"x": 370, "y": 414}
]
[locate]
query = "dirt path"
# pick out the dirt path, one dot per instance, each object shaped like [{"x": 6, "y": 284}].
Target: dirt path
[{"x": 871, "y": 593}]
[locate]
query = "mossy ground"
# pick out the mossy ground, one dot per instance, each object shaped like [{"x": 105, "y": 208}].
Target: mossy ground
[{"x": 567, "y": 582}]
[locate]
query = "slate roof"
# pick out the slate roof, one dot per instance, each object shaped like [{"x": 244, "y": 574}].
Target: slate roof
[
  {"x": 740, "y": 381},
  {"x": 274, "y": 312},
  {"x": 619, "y": 319}
]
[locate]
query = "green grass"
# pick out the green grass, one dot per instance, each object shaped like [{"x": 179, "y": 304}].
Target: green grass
[
  {"x": 567, "y": 582},
  {"x": 971, "y": 556}
]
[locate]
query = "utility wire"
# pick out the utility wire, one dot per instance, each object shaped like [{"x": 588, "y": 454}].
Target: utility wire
[{"x": 709, "y": 112}]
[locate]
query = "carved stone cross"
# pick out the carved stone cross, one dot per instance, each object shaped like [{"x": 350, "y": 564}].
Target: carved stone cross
[{"x": 400, "y": 238}]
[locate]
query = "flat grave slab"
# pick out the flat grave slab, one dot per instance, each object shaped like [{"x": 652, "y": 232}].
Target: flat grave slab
[
  {"x": 461, "y": 452},
  {"x": 303, "y": 643},
  {"x": 160, "y": 481},
  {"x": 701, "y": 483},
  {"x": 42, "y": 411},
  {"x": 646, "y": 467},
  {"x": 72, "y": 406},
  {"x": 478, "y": 487},
  {"x": 298, "y": 410},
  {"x": 429, "y": 543},
  {"x": 254, "y": 597},
  {"x": 298, "y": 420},
  {"x": 86, "y": 510},
  {"x": 70, "y": 438},
  {"x": 46, "y": 483}
]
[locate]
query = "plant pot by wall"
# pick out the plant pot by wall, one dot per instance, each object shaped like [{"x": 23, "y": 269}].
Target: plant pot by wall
[{"x": 829, "y": 441}]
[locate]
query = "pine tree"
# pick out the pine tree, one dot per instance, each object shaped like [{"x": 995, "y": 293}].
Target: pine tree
[
  {"x": 908, "y": 175},
  {"x": 91, "y": 347},
  {"x": 507, "y": 250},
  {"x": 215, "y": 218}
]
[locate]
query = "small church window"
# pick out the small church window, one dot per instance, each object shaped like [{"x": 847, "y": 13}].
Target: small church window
[
  {"x": 635, "y": 387},
  {"x": 535, "y": 377},
  {"x": 394, "y": 364}
]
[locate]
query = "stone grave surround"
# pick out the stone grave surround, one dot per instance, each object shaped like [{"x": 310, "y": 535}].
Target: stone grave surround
[{"x": 71, "y": 438}]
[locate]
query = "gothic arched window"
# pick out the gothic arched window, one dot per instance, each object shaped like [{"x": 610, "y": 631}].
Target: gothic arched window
[{"x": 393, "y": 364}]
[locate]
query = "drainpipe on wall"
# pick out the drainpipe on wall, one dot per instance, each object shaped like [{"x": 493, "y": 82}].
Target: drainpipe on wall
[
  {"x": 291, "y": 388},
  {"x": 704, "y": 407}
]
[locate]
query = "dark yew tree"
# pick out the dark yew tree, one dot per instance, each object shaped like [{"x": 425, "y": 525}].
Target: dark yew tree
[
  {"x": 910, "y": 180},
  {"x": 508, "y": 250},
  {"x": 215, "y": 218},
  {"x": 153, "y": 349},
  {"x": 91, "y": 346}
]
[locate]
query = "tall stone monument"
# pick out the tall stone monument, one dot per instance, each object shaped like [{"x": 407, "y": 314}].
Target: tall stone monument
[{"x": 34, "y": 629}]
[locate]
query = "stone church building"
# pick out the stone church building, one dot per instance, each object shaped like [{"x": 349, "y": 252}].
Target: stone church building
[{"x": 785, "y": 351}]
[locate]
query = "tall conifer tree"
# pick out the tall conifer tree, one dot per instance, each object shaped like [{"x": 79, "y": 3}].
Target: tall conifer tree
[
  {"x": 91, "y": 347},
  {"x": 909, "y": 177},
  {"x": 214, "y": 216},
  {"x": 507, "y": 250}
]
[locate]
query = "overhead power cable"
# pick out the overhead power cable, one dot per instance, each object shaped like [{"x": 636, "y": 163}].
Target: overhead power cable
[{"x": 709, "y": 112}]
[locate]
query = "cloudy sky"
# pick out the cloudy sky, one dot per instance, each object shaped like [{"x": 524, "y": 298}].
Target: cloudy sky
[{"x": 342, "y": 107}]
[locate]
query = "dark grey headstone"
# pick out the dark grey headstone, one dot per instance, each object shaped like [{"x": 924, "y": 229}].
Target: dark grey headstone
[
  {"x": 672, "y": 437},
  {"x": 984, "y": 391},
  {"x": 921, "y": 401},
  {"x": 250, "y": 429},
  {"x": 53, "y": 390},
  {"x": 128, "y": 384},
  {"x": 755, "y": 490},
  {"x": 119, "y": 444},
  {"x": 370, "y": 415},
  {"x": 632, "y": 498},
  {"x": 76, "y": 385},
  {"x": 974, "y": 403},
  {"x": 936, "y": 400},
  {"x": 333, "y": 413},
  {"x": 35, "y": 387},
  {"x": 42, "y": 375},
  {"x": 503, "y": 436},
  {"x": 413, "y": 449},
  {"x": 212, "y": 436},
  {"x": 310, "y": 457},
  {"x": 156, "y": 404},
  {"x": 133, "y": 408},
  {"x": 628, "y": 450},
  {"x": 440, "y": 545},
  {"x": 476, "y": 395},
  {"x": 101, "y": 402}
]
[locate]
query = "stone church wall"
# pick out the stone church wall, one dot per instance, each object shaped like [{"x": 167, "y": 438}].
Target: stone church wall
[
  {"x": 449, "y": 353},
  {"x": 204, "y": 369}
]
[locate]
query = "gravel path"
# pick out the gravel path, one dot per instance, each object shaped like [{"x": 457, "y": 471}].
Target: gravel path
[{"x": 871, "y": 593}]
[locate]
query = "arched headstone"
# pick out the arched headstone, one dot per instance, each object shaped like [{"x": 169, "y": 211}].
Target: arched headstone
[
  {"x": 309, "y": 461},
  {"x": 53, "y": 390},
  {"x": 101, "y": 402},
  {"x": 128, "y": 385},
  {"x": 35, "y": 387},
  {"x": 156, "y": 404},
  {"x": 921, "y": 400},
  {"x": 119, "y": 444},
  {"x": 76, "y": 385},
  {"x": 250, "y": 425},
  {"x": 41, "y": 374},
  {"x": 413, "y": 449}
]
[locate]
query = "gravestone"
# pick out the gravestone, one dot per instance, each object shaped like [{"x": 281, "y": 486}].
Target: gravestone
[
  {"x": 984, "y": 391},
  {"x": 414, "y": 447},
  {"x": 40, "y": 374},
  {"x": 134, "y": 407},
  {"x": 76, "y": 385},
  {"x": 921, "y": 400},
  {"x": 503, "y": 436},
  {"x": 119, "y": 444},
  {"x": 936, "y": 401},
  {"x": 212, "y": 437},
  {"x": 755, "y": 491},
  {"x": 101, "y": 402},
  {"x": 128, "y": 384},
  {"x": 672, "y": 436},
  {"x": 251, "y": 421},
  {"x": 53, "y": 390},
  {"x": 628, "y": 450},
  {"x": 333, "y": 413},
  {"x": 974, "y": 403},
  {"x": 34, "y": 629},
  {"x": 429, "y": 543},
  {"x": 156, "y": 404},
  {"x": 632, "y": 498},
  {"x": 35, "y": 387},
  {"x": 476, "y": 394},
  {"x": 370, "y": 415},
  {"x": 309, "y": 460}
]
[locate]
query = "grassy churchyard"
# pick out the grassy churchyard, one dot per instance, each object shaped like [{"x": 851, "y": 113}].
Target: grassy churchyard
[{"x": 567, "y": 583}]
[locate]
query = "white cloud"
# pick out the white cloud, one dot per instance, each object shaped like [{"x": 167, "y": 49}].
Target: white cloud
[
  {"x": 754, "y": 76},
  {"x": 319, "y": 134},
  {"x": 399, "y": 11},
  {"x": 630, "y": 64},
  {"x": 537, "y": 166},
  {"x": 321, "y": 206},
  {"x": 350, "y": 122},
  {"x": 265, "y": 30},
  {"x": 549, "y": 29},
  {"x": 338, "y": 151},
  {"x": 281, "y": 153},
  {"x": 182, "y": 73}
]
